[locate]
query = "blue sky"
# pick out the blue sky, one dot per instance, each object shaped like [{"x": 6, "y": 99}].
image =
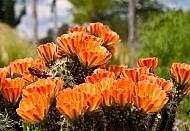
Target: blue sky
[{"x": 45, "y": 16}]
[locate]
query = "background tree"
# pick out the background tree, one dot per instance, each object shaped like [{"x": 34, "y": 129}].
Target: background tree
[
  {"x": 131, "y": 37},
  {"x": 54, "y": 15},
  {"x": 7, "y": 12},
  {"x": 35, "y": 23},
  {"x": 88, "y": 10},
  {"x": 113, "y": 13}
]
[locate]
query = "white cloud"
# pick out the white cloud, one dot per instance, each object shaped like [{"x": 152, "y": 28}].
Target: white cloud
[{"x": 44, "y": 17}]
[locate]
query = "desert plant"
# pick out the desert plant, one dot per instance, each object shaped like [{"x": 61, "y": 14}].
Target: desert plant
[{"x": 69, "y": 87}]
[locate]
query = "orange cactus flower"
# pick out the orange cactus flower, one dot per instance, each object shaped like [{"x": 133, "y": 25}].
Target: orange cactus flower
[
  {"x": 186, "y": 91},
  {"x": 12, "y": 88},
  {"x": 50, "y": 87},
  {"x": 122, "y": 97},
  {"x": 121, "y": 91},
  {"x": 91, "y": 95},
  {"x": 149, "y": 97},
  {"x": 124, "y": 83},
  {"x": 98, "y": 75},
  {"x": 71, "y": 104},
  {"x": 70, "y": 41},
  {"x": 134, "y": 73},
  {"x": 118, "y": 91},
  {"x": 109, "y": 37},
  {"x": 19, "y": 66},
  {"x": 95, "y": 28},
  {"x": 39, "y": 64},
  {"x": 29, "y": 77},
  {"x": 165, "y": 85},
  {"x": 48, "y": 53},
  {"x": 77, "y": 29},
  {"x": 106, "y": 98},
  {"x": 180, "y": 73},
  {"x": 94, "y": 58},
  {"x": 117, "y": 69},
  {"x": 89, "y": 44},
  {"x": 151, "y": 63},
  {"x": 105, "y": 84},
  {"x": 93, "y": 38},
  {"x": 34, "y": 109},
  {"x": 2, "y": 78},
  {"x": 8, "y": 71}
]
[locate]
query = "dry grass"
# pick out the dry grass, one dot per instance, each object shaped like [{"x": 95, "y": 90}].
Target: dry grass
[{"x": 12, "y": 46}]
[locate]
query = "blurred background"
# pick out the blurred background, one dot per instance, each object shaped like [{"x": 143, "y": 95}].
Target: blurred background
[{"x": 146, "y": 28}]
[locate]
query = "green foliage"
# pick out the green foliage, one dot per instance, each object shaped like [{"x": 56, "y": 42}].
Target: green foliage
[
  {"x": 12, "y": 46},
  {"x": 167, "y": 37},
  {"x": 7, "y": 12},
  {"x": 113, "y": 13},
  {"x": 88, "y": 10}
]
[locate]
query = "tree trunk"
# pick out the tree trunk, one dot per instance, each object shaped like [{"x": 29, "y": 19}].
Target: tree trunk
[
  {"x": 54, "y": 13},
  {"x": 131, "y": 37},
  {"x": 35, "y": 23}
]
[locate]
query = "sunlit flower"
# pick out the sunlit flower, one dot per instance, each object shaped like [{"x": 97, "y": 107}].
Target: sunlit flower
[
  {"x": 34, "y": 108},
  {"x": 186, "y": 91},
  {"x": 48, "y": 52},
  {"x": 134, "y": 73},
  {"x": 94, "y": 58},
  {"x": 89, "y": 43},
  {"x": 122, "y": 91},
  {"x": 180, "y": 73},
  {"x": 70, "y": 41},
  {"x": 117, "y": 69},
  {"x": 165, "y": 85},
  {"x": 12, "y": 88},
  {"x": 149, "y": 98},
  {"x": 19, "y": 66},
  {"x": 151, "y": 63},
  {"x": 106, "y": 98},
  {"x": 71, "y": 104},
  {"x": 124, "y": 83},
  {"x": 95, "y": 28},
  {"x": 8, "y": 71},
  {"x": 109, "y": 37},
  {"x": 39, "y": 64},
  {"x": 98, "y": 75},
  {"x": 77, "y": 29},
  {"x": 105, "y": 85},
  {"x": 122, "y": 97},
  {"x": 92, "y": 95},
  {"x": 2, "y": 78},
  {"x": 50, "y": 87},
  {"x": 29, "y": 77}
]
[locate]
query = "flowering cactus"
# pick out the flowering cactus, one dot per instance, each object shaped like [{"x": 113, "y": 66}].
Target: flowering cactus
[{"x": 71, "y": 87}]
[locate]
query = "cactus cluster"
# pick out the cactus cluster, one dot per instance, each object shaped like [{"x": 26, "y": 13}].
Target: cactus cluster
[{"x": 71, "y": 87}]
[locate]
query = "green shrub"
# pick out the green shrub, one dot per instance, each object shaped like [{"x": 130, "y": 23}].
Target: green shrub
[
  {"x": 12, "y": 46},
  {"x": 166, "y": 36}
]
